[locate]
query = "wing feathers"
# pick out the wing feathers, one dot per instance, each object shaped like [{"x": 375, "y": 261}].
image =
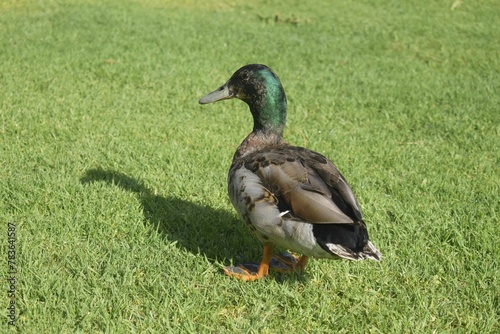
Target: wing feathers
[{"x": 309, "y": 184}]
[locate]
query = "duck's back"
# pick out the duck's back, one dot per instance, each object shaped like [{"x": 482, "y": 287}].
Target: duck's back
[{"x": 289, "y": 192}]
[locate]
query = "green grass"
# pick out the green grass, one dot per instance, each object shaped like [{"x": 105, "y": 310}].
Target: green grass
[{"x": 115, "y": 177}]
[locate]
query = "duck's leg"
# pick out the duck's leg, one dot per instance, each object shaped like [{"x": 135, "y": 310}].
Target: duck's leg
[
  {"x": 243, "y": 273},
  {"x": 287, "y": 263},
  {"x": 301, "y": 265}
]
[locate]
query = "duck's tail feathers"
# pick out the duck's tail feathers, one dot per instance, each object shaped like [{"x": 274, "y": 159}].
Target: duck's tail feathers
[
  {"x": 369, "y": 252},
  {"x": 346, "y": 241}
]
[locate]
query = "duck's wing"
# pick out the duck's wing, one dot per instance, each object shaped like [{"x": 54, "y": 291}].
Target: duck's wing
[{"x": 305, "y": 183}]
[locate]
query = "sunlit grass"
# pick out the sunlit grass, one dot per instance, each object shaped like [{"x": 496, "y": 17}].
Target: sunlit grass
[{"x": 115, "y": 177}]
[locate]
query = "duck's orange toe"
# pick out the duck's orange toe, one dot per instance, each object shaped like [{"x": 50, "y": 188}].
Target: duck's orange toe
[
  {"x": 288, "y": 263},
  {"x": 245, "y": 272},
  {"x": 251, "y": 271}
]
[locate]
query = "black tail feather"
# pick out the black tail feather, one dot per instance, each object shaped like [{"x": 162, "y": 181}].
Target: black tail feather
[{"x": 354, "y": 237}]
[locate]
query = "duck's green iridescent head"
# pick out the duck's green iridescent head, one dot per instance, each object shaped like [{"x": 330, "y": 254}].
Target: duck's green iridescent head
[{"x": 261, "y": 89}]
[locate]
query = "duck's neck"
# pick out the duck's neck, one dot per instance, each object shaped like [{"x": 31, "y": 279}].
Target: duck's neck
[
  {"x": 269, "y": 118},
  {"x": 257, "y": 141},
  {"x": 268, "y": 107}
]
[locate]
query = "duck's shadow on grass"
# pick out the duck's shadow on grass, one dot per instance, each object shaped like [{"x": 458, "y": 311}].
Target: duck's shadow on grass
[{"x": 214, "y": 233}]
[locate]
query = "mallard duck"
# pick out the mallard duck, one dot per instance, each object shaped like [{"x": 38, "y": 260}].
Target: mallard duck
[{"x": 288, "y": 196}]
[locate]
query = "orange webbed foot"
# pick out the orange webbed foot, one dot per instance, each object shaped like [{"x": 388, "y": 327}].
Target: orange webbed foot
[
  {"x": 249, "y": 271},
  {"x": 283, "y": 263},
  {"x": 288, "y": 263}
]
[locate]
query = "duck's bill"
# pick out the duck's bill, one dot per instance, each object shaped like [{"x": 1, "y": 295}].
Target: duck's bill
[{"x": 220, "y": 94}]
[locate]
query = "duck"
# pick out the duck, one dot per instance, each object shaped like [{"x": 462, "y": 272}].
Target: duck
[{"x": 289, "y": 196}]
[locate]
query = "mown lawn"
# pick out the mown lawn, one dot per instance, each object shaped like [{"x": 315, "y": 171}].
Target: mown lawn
[{"x": 115, "y": 178}]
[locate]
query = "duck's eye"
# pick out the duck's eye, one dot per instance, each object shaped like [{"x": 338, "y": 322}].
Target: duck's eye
[{"x": 245, "y": 76}]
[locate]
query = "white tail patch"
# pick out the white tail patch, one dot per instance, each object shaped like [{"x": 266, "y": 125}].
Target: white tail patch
[{"x": 369, "y": 252}]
